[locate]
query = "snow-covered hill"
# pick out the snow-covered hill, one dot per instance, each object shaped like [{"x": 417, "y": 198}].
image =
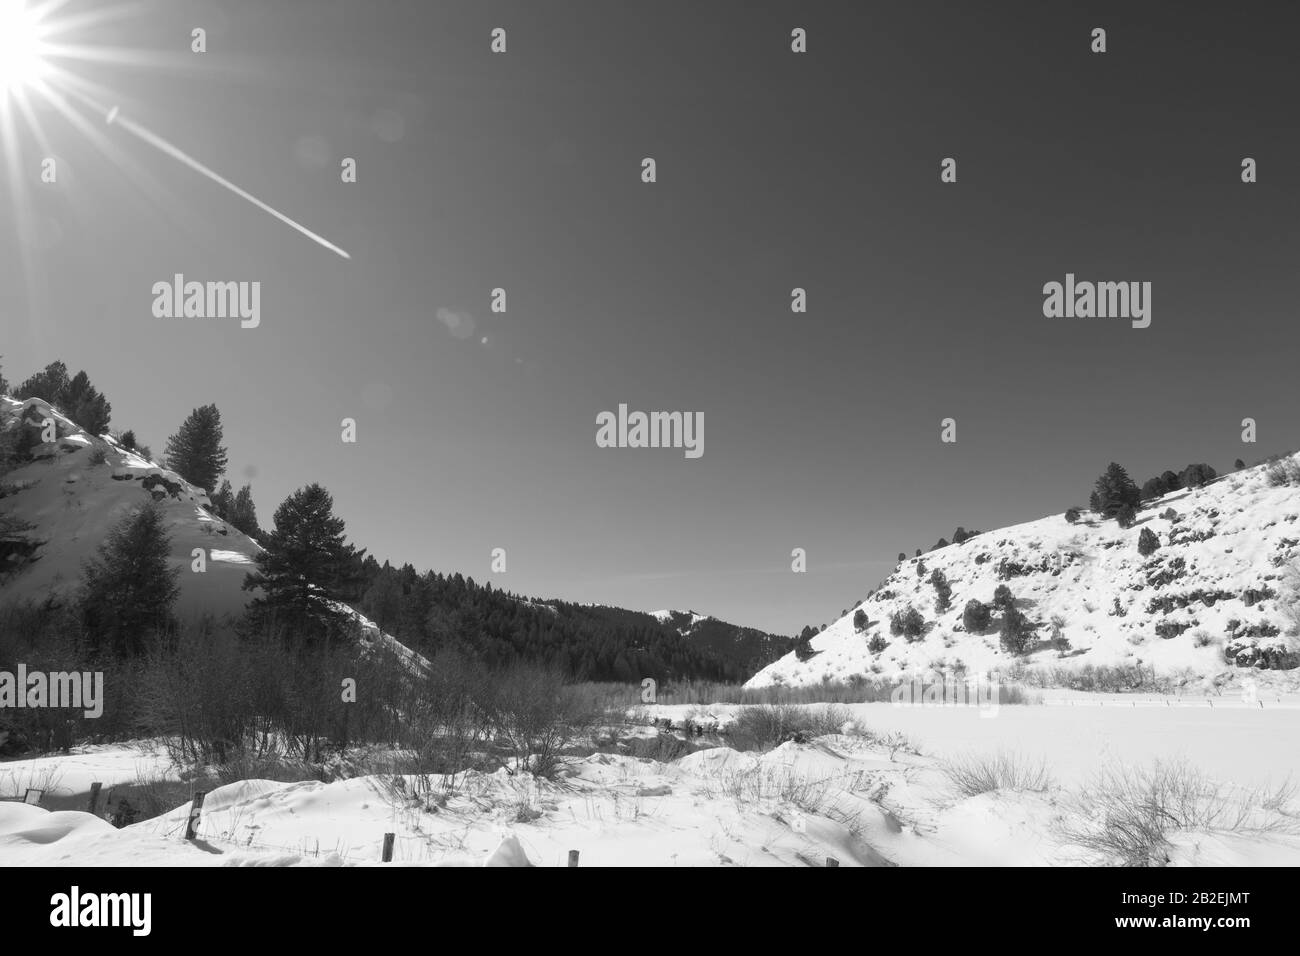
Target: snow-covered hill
[
  {"x": 1218, "y": 595},
  {"x": 78, "y": 486}
]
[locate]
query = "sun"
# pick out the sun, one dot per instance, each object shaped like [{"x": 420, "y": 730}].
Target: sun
[{"x": 22, "y": 46}]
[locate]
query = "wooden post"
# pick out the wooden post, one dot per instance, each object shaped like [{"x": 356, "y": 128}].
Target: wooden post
[
  {"x": 831, "y": 861},
  {"x": 389, "y": 838},
  {"x": 94, "y": 797},
  {"x": 573, "y": 858},
  {"x": 196, "y": 810},
  {"x": 33, "y": 797}
]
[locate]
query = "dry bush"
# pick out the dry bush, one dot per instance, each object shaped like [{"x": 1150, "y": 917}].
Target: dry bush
[
  {"x": 1125, "y": 815},
  {"x": 767, "y": 726},
  {"x": 532, "y": 709},
  {"x": 974, "y": 774}
]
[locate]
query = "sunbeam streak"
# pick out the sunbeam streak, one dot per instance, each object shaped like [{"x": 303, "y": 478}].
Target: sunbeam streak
[{"x": 25, "y": 64}]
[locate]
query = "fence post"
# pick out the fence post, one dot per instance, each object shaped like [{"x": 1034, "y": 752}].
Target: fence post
[
  {"x": 389, "y": 838},
  {"x": 573, "y": 858},
  {"x": 94, "y": 797},
  {"x": 33, "y": 797},
  {"x": 196, "y": 810}
]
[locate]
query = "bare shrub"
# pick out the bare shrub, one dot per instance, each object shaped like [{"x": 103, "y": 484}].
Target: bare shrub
[
  {"x": 537, "y": 715},
  {"x": 767, "y": 726},
  {"x": 1284, "y": 472},
  {"x": 1126, "y": 815},
  {"x": 974, "y": 774}
]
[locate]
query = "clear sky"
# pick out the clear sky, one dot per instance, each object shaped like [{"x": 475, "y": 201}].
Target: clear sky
[{"x": 775, "y": 170}]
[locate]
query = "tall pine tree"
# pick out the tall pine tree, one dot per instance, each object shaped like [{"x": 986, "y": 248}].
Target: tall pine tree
[
  {"x": 195, "y": 452},
  {"x": 243, "y": 515},
  {"x": 305, "y": 569},
  {"x": 129, "y": 587}
]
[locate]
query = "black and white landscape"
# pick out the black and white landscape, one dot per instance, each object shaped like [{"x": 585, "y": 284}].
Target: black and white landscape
[{"x": 357, "y": 504}]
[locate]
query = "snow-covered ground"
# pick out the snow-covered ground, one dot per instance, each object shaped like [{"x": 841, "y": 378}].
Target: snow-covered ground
[
  {"x": 1224, "y": 574},
  {"x": 857, "y": 797}
]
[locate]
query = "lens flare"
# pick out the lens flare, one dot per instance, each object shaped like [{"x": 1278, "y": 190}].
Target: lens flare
[{"x": 22, "y": 47}]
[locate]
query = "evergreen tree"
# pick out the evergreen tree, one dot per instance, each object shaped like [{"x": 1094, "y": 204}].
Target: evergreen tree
[
  {"x": 48, "y": 384},
  {"x": 243, "y": 514},
  {"x": 129, "y": 587},
  {"x": 1072, "y": 515},
  {"x": 305, "y": 569},
  {"x": 128, "y": 440},
  {"x": 83, "y": 403},
  {"x": 859, "y": 620},
  {"x": 223, "y": 500},
  {"x": 4, "y": 383},
  {"x": 1154, "y": 488},
  {"x": 1002, "y": 597},
  {"x": 976, "y": 617},
  {"x": 1115, "y": 489},
  {"x": 943, "y": 590},
  {"x": 195, "y": 452},
  {"x": 1147, "y": 542},
  {"x": 1195, "y": 476},
  {"x": 1016, "y": 631},
  {"x": 1127, "y": 516}
]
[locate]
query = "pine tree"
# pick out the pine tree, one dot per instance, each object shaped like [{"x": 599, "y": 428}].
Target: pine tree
[
  {"x": 223, "y": 500},
  {"x": 1147, "y": 542},
  {"x": 4, "y": 383},
  {"x": 243, "y": 515},
  {"x": 85, "y": 405},
  {"x": 305, "y": 568},
  {"x": 129, "y": 588},
  {"x": 128, "y": 440},
  {"x": 859, "y": 620},
  {"x": 195, "y": 452},
  {"x": 48, "y": 384},
  {"x": 1115, "y": 489}
]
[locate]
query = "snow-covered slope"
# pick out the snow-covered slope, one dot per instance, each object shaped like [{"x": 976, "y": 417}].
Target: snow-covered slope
[
  {"x": 72, "y": 501},
  {"x": 1217, "y": 595},
  {"x": 682, "y": 621}
]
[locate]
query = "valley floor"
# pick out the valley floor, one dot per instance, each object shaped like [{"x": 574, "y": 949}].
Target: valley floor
[{"x": 861, "y": 797}]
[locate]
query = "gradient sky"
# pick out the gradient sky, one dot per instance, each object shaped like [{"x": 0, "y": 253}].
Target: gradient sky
[{"x": 775, "y": 170}]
